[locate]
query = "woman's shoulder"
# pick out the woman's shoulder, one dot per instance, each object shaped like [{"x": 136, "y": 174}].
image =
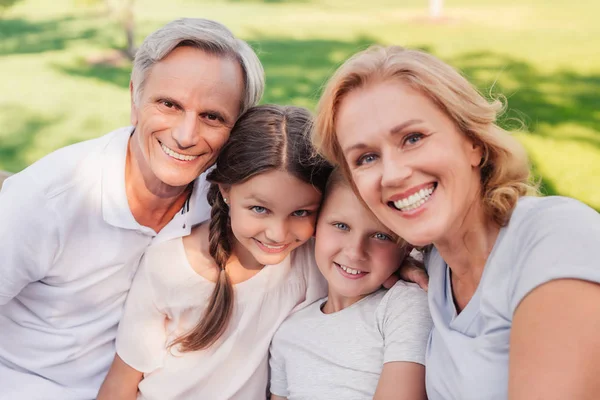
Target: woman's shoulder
[{"x": 531, "y": 210}]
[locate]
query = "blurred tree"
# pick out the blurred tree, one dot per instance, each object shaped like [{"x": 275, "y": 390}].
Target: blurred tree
[
  {"x": 5, "y": 5},
  {"x": 122, "y": 12},
  {"x": 435, "y": 8}
]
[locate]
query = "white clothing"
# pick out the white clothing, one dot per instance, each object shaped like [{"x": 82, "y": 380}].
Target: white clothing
[
  {"x": 69, "y": 248},
  {"x": 168, "y": 298},
  {"x": 546, "y": 239},
  {"x": 341, "y": 355}
]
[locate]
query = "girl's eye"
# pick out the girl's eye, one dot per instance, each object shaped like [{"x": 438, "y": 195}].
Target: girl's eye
[
  {"x": 258, "y": 209},
  {"x": 413, "y": 138},
  {"x": 366, "y": 159},
  {"x": 341, "y": 226},
  {"x": 301, "y": 213},
  {"x": 382, "y": 236}
]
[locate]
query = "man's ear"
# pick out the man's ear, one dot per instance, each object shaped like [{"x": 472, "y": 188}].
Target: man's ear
[{"x": 133, "y": 117}]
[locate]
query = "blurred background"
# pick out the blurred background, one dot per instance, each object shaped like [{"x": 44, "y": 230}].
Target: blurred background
[{"x": 65, "y": 64}]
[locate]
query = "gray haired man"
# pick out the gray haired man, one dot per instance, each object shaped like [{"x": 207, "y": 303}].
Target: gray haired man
[{"x": 75, "y": 224}]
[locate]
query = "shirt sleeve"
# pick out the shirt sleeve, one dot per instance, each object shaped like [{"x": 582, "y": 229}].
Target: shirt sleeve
[
  {"x": 277, "y": 369},
  {"x": 405, "y": 323},
  {"x": 558, "y": 239},
  {"x": 316, "y": 285},
  {"x": 141, "y": 338},
  {"x": 29, "y": 236}
]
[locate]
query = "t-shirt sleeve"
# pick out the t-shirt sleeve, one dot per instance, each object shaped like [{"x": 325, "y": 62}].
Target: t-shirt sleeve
[
  {"x": 405, "y": 323},
  {"x": 29, "y": 236},
  {"x": 141, "y": 339},
  {"x": 278, "y": 378},
  {"x": 558, "y": 239}
]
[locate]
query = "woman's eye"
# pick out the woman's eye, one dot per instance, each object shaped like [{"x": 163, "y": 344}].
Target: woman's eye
[
  {"x": 381, "y": 236},
  {"x": 259, "y": 209},
  {"x": 341, "y": 226},
  {"x": 366, "y": 159},
  {"x": 301, "y": 213},
  {"x": 413, "y": 138}
]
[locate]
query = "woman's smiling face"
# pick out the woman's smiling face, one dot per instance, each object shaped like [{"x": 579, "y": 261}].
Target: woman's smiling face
[{"x": 412, "y": 166}]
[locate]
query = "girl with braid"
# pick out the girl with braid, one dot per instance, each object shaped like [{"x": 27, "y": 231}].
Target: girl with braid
[{"x": 203, "y": 309}]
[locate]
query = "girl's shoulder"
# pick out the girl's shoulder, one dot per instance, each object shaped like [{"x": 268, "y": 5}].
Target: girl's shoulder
[{"x": 197, "y": 254}]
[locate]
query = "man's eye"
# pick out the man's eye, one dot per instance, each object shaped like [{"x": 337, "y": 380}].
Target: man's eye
[
  {"x": 366, "y": 159},
  {"x": 341, "y": 226},
  {"x": 212, "y": 117},
  {"x": 167, "y": 104},
  {"x": 259, "y": 209},
  {"x": 301, "y": 213},
  {"x": 381, "y": 236}
]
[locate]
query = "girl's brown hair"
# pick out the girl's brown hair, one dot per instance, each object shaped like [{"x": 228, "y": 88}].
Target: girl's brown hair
[
  {"x": 505, "y": 169},
  {"x": 265, "y": 138}
]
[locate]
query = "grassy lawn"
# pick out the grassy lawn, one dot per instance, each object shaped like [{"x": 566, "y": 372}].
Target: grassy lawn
[{"x": 542, "y": 54}]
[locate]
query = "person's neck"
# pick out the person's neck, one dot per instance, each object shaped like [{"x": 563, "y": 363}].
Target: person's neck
[
  {"x": 152, "y": 203},
  {"x": 336, "y": 302},
  {"x": 466, "y": 250},
  {"x": 241, "y": 265}
]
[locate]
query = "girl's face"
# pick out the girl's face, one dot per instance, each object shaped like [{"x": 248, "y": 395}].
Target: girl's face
[
  {"x": 414, "y": 169},
  {"x": 271, "y": 214},
  {"x": 354, "y": 251}
]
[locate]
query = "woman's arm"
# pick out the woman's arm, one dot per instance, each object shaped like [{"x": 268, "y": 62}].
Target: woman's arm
[
  {"x": 121, "y": 383},
  {"x": 401, "y": 381},
  {"x": 555, "y": 342}
]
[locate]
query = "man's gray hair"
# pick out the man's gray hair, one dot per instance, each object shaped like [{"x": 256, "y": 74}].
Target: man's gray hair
[{"x": 206, "y": 35}]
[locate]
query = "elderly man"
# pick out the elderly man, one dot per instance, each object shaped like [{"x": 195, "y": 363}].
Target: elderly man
[{"x": 74, "y": 225}]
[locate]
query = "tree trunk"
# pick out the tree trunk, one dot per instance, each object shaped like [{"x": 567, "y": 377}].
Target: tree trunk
[
  {"x": 128, "y": 24},
  {"x": 435, "y": 8}
]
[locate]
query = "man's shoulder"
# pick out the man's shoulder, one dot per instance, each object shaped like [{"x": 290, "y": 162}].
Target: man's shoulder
[{"x": 60, "y": 170}]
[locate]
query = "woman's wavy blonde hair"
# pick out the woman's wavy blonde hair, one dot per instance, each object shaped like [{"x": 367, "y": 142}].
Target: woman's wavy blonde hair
[{"x": 505, "y": 169}]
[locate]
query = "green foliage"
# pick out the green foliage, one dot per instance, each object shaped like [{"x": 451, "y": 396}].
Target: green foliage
[
  {"x": 62, "y": 79},
  {"x": 6, "y": 4}
]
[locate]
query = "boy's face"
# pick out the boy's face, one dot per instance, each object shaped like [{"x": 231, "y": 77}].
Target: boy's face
[{"x": 354, "y": 251}]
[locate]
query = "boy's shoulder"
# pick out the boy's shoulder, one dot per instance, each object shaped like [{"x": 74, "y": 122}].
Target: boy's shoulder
[{"x": 300, "y": 319}]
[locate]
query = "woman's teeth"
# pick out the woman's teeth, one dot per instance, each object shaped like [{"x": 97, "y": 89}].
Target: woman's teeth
[
  {"x": 178, "y": 156},
  {"x": 414, "y": 200},
  {"x": 350, "y": 270}
]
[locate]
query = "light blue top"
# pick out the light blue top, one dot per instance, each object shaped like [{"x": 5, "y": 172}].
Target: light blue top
[{"x": 547, "y": 238}]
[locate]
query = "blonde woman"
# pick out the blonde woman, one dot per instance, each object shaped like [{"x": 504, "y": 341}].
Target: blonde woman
[{"x": 513, "y": 290}]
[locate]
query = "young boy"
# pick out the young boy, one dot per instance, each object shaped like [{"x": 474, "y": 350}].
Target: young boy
[{"x": 360, "y": 342}]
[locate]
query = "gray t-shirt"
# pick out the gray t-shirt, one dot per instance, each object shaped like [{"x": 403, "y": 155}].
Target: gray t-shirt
[
  {"x": 340, "y": 356},
  {"x": 546, "y": 239}
]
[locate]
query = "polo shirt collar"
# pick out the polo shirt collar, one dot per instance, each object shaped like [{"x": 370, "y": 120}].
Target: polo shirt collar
[{"x": 115, "y": 207}]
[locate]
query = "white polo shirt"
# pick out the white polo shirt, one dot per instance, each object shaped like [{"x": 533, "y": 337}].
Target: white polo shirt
[{"x": 69, "y": 248}]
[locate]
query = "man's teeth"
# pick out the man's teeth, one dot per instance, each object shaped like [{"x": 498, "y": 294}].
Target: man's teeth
[
  {"x": 178, "y": 156},
  {"x": 414, "y": 200},
  {"x": 350, "y": 270}
]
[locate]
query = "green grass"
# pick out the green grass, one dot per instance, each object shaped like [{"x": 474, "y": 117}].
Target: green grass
[{"x": 542, "y": 54}]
